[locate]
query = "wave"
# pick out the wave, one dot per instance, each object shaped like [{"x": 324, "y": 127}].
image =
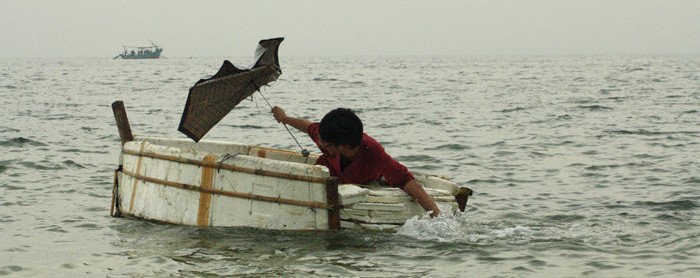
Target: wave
[
  {"x": 21, "y": 142},
  {"x": 321, "y": 79},
  {"x": 615, "y": 166},
  {"x": 76, "y": 150},
  {"x": 678, "y": 205},
  {"x": 608, "y": 90},
  {"x": 73, "y": 164},
  {"x": 634, "y": 69},
  {"x": 420, "y": 158},
  {"x": 673, "y": 146},
  {"x": 692, "y": 180},
  {"x": 7, "y": 129},
  {"x": 488, "y": 181},
  {"x": 565, "y": 217},
  {"x": 456, "y": 147},
  {"x": 10, "y": 269},
  {"x": 246, "y": 126},
  {"x": 564, "y": 117},
  {"x": 649, "y": 133},
  {"x": 595, "y": 107},
  {"x": 41, "y": 166},
  {"x": 516, "y": 109},
  {"x": 5, "y": 165}
]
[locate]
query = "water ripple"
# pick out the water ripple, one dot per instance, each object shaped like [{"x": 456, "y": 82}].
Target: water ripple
[
  {"x": 21, "y": 142},
  {"x": 582, "y": 166},
  {"x": 678, "y": 205}
]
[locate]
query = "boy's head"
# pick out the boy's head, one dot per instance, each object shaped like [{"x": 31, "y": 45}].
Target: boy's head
[{"x": 341, "y": 127}]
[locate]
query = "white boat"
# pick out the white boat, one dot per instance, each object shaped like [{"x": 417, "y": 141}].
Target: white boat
[{"x": 224, "y": 184}]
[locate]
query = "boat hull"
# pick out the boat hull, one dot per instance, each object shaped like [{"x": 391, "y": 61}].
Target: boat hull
[
  {"x": 225, "y": 184},
  {"x": 148, "y": 55}
]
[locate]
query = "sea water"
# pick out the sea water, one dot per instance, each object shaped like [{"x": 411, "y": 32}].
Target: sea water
[{"x": 581, "y": 166}]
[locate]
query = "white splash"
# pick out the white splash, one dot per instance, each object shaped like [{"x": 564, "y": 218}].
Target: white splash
[
  {"x": 517, "y": 231},
  {"x": 447, "y": 227},
  {"x": 457, "y": 227}
]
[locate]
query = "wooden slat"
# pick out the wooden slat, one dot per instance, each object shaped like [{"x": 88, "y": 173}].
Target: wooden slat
[
  {"x": 334, "y": 201},
  {"x": 204, "y": 197}
]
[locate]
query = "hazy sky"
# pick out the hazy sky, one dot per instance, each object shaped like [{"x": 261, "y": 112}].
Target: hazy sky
[{"x": 98, "y": 28}]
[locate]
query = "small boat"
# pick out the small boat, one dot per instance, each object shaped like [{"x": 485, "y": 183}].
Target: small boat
[
  {"x": 140, "y": 52},
  {"x": 224, "y": 184}
]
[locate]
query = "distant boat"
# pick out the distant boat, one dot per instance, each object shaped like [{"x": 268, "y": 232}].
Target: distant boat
[{"x": 141, "y": 52}]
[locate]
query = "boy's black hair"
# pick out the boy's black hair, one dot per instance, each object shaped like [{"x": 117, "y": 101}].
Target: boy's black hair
[{"x": 341, "y": 126}]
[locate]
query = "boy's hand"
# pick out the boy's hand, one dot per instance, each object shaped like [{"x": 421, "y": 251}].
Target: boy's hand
[{"x": 279, "y": 114}]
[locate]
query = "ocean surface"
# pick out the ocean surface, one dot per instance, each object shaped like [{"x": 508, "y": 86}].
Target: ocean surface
[{"x": 582, "y": 166}]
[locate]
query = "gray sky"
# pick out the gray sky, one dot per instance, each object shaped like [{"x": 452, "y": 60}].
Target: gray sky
[{"x": 219, "y": 28}]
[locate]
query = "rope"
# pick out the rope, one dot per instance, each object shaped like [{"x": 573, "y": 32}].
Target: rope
[
  {"x": 304, "y": 152},
  {"x": 224, "y": 158}
]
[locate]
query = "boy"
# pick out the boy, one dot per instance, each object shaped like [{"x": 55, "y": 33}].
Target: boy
[{"x": 354, "y": 156}]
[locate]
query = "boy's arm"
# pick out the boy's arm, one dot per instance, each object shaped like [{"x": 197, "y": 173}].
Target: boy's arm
[
  {"x": 416, "y": 191},
  {"x": 298, "y": 123}
]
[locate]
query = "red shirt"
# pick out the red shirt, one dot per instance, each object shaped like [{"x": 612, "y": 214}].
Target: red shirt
[{"x": 369, "y": 165}]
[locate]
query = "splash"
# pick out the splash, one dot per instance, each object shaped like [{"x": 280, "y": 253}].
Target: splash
[
  {"x": 449, "y": 226},
  {"x": 456, "y": 227},
  {"x": 517, "y": 231},
  {"x": 441, "y": 229}
]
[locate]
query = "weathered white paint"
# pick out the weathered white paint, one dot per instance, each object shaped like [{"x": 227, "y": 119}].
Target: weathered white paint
[{"x": 369, "y": 207}]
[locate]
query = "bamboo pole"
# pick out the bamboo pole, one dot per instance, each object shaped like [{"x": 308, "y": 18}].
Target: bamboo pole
[
  {"x": 232, "y": 168},
  {"x": 215, "y": 191},
  {"x": 334, "y": 201}
]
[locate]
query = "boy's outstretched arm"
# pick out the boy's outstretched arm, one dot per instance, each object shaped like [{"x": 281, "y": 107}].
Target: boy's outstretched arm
[
  {"x": 416, "y": 191},
  {"x": 281, "y": 117}
]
